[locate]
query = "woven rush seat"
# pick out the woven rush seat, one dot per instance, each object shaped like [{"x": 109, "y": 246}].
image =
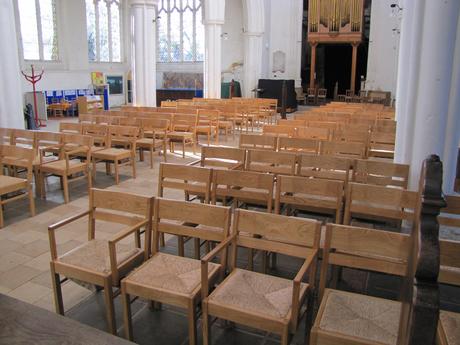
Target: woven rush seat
[
  {"x": 94, "y": 255},
  {"x": 109, "y": 153},
  {"x": 257, "y": 293},
  {"x": 450, "y": 323},
  {"x": 148, "y": 141},
  {"x": 60, "y": 165},
  {"x": 177, "y": 135},
  {"x": 10, "y": 184},
  {"x": 171, "y": 273},
  {"x": 361, "y": 316}
]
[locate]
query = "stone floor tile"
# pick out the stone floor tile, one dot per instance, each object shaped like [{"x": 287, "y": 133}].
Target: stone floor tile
[
  {"x": 30, "y": 292},
  {"x": 11, "y": 260},
  {"x": 41, "y": 263},
  {"x": 35, "y": 248},
  {"x": 17, "y": 276}
]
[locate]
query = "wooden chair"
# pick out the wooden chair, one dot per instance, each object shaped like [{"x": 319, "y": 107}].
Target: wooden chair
[
  {"x": 243, "y": 186},
  {"x": 242, "y": 297},
  {"x": 379, "y": 203},
  {"x": 9, "y": 185},
  {"x": 325, "y": 167},
  {"x": 99, "y": 133},
  {"x": 149, "y": 140},
  {"x": 259, "y": 142},
  {"x": 118, "y": 156},
  {"x": 128, "y": 121},
  {"x": 208, "y": 124},
  {"x": 351, "y": 318},
  {"x": 68, "y": 166},
  {"x": 176, "y": 280},
  {"x": 301, "y": 97},
  {"x": 322, "y": 94},
  {"x": 103, "y": 262},
  {"x": 343, "y": 149},
  {"x": 330, "y": 125},
  {"x": 70, "y": 127},
  {"x": 311, "y": 95},
  {"x": 183, "y": 130},
  {"x": 189, "y": 179},
  {"x": 23, "y": 138},
  {"x": 301, "y": 145},
  {"x": 271, "y": 162},
  {"x": 312, "y": 194},
  {"x": 221, "y": 157},
  {"x": 381, "y": 173}
]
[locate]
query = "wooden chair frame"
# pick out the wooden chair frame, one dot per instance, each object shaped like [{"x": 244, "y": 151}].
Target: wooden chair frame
[{"x": 271, "y": 162}]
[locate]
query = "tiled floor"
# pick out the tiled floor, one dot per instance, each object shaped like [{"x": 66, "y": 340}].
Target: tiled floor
[{"x": 24, "y": 262}]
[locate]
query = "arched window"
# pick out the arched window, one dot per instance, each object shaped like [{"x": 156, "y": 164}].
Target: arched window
[
  {"x": 103, "y": 30},
  {"x": 180, "y": 31},
  {"x": 38, "y": 29}
]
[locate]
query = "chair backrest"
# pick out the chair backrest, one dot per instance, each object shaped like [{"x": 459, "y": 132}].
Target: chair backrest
[
  {"x": 382, "y": 144},
  {"x": 207, "y": 117},
  {"x": 70, "y": 127},
  {"x": 168, "y": 104},
  {"x": 279, "y": 130},
  {"x": 222, "y": 157},
  {"x": 292, "y": 236},
  {"x": 381, "y": 173},
  {"x": 343, "y": 149},
  {"x": 48, "y": 139},
  {"x": 99, "y": 133},
  {"x": 323, "y": 124},
  {"x": 129, "y": 121},
  {"x": 271, "y": 162},
  {"x": 183, "y": 218},
  {"x": 23, "y": 154},
  {"x": 102, "y": 119},
  {"x": 313, "y": 133},
  {"x": 365, "y": 249},
  {"x": 155, "y": 124},
  {"x": 377, "y": 201},
  {"x": 322, "y": 93},
  {"x": 292, "y": 123},
  {"x": 303, "y": 145},
  {"x": 326, "y": 167},
  {"x": 184, "y": 121},
  {"x": 187, "y": 178},
  {"x": 78, "y": 141},
  {"x": 86, "y": 118},
  {"x": 5, "y": 136},
  {"x": 351, "y": 135},
  {"x": 127, "y": 134},
  {"x": 244, "y": 186},
  {"x": 23, "y": 138},
  {"x": 309, "y": 193},
  {"x": 260, "y": 142}
]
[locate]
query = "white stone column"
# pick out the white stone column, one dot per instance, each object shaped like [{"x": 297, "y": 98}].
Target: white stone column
[
  {"x": 254, "y": 24},
  {"x": 143, "y": 59},
  {"x": 11, "y": 98},
  {"x": 431, "y": 81},
  {"x": 214, "y": 18}
]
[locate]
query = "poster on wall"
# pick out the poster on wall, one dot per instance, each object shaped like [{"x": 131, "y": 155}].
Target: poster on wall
[
  {"x": 115, "y": 84},
  {"x": 97, "y": 78}
]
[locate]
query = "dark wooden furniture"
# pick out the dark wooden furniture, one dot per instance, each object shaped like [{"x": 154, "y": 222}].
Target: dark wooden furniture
[
  {"x": 174, "y": 94},
  {"x": 23, "y": 323}
]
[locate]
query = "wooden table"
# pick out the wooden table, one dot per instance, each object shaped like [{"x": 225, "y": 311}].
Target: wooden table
[{"x": 23, "y": 323}]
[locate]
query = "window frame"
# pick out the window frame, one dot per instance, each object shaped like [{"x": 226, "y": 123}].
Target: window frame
[
  {"x": 39, "y": 33},
  {"x": 171, "y": 5},
  {"x": 120, "y": 4}
]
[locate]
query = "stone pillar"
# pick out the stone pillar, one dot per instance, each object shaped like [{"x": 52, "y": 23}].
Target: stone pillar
[
  {"x": 434, "y": 104},
  {"x": 313, "y": 64},
  {"x": 354, "y": 58},
  {"x": 214, "y": 17},
  {"x": 11, "y": 96},
  {"x": 254, "y": 25},
  {"x": 143, "y": 59}
]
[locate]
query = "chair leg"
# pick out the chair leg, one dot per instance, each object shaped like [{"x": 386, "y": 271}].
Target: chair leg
[
  {"x": 127, "y": 320},
  {"x": 162, "y": 239},
  {"x": 31, "y": 201},
  {"x": 197, "y": 248},
  {"x": 56, "y": 281},
  {"x": 65, "y": 183},
  {"x": 191, "y": 323},
  {"x": 285, "y": 336},
  {"x": 205, "y": 324},
  {"x": 183, "y": 148},
  {"x": 110, "y": 311},
  {"x": 1, "y": 215},
  {"x": 42, "y": 185},
  {"x": 180, "y": 245},
  {"x": 94, "y": 170},
  {"x": 151, "y": 157},
  {"x": 133, "y": 162},
  {"x": 117, "y": 177}
]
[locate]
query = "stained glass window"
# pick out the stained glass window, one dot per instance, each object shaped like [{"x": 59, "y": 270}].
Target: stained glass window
[
  {"x": 38, "y": 29},
  {"x": 180, "y": 33},
  {"x": 103, "y": 30}
]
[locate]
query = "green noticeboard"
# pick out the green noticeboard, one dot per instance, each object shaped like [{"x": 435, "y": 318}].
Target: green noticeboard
[{"x": 225, "y": 89}]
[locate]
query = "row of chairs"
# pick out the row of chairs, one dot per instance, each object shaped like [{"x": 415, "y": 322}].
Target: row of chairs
[
  {"x": 283, "y": 193},
  {"x": 226, "y": 288},
  {"x": 313, "y": 144},
  {"x": 322, "y": 166}
]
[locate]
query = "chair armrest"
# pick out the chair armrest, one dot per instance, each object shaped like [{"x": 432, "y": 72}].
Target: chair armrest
[
  {"x": 237, "y": 166},
  {"x": 53, "y": 227},
  {"x": 207, "y": 258},
  {"x": 309, "y": 262},
  {"x": 113, "y": 242}
]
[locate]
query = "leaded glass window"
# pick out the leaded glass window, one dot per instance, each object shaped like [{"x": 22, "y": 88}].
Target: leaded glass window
[
  {"x": 38, "y": 29},
  {"x": 103, "y": 30},
  {"x": 180, "y": 31}
]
